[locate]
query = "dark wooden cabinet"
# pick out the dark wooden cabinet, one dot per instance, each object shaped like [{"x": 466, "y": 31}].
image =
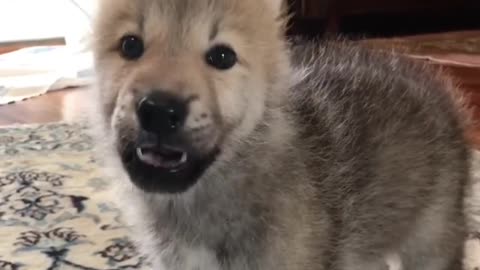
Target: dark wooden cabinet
[
  {"x": 379, "y": 17},
  {"x": 309, "y": 8}
]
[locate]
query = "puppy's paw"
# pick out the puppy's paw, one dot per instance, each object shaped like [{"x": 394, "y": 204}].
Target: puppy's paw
[{"x": 472, "y": 252}]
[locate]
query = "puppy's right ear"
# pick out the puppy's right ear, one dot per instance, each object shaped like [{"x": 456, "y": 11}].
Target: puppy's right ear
[{"x": 277, "y": 6}]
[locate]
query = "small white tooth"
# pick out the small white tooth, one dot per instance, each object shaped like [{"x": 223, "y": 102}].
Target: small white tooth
[
  {"x": 140, "y": 153},
  {"x": 148, "y": 158},
  {"x": 184, "y": 158}
]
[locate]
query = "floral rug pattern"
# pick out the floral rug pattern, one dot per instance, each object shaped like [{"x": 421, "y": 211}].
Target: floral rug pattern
[{"x": 55, "y": 211}]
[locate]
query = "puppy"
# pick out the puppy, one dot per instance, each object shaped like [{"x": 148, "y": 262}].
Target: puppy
[{"x": 234, "y": 148}]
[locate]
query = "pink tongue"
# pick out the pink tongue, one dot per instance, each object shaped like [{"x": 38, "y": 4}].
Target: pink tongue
[{"x": 167, "y": 160}]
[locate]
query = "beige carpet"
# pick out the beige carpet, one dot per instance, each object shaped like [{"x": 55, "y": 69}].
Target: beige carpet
[{"x": 55, "y": 209}]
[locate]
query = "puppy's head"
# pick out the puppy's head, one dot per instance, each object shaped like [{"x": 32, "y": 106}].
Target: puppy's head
[{"x": 180, "y": 81}]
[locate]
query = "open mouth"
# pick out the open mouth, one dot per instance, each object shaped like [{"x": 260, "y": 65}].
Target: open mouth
[
  {"x": 163, "y": 157},
  {"x": 163, "y": 168}
]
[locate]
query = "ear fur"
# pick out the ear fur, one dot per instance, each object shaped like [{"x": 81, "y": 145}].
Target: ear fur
[{"x": 277, "y": 6}]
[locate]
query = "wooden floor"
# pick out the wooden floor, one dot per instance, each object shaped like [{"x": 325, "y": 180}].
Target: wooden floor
[
  {"x": 64, "y": 105},
  {"x": 71, "y": 104}
]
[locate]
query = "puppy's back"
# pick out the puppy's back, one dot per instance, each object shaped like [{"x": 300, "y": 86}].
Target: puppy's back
[{"x": 387, "y": 152}]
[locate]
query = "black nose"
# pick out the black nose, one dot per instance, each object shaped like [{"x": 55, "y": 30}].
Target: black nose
[{"x": 161, "y": 113}]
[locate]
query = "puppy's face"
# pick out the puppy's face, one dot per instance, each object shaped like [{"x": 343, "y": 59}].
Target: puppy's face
[{"x": 180, "y": 81}]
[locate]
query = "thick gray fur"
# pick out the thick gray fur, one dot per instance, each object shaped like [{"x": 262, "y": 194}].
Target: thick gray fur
[{"x": 369, "y": 162}]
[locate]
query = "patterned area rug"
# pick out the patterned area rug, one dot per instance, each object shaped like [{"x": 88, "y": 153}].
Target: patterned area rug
[
  {"x": 55, "y": 211},
  {"x": 54, "y": 207}
]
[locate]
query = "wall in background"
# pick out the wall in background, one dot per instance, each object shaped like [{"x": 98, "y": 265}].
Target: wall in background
[{"x": 41, "y": 19}]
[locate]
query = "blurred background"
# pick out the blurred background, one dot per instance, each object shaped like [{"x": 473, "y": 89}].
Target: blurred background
[{"x": 36, "y": 22}]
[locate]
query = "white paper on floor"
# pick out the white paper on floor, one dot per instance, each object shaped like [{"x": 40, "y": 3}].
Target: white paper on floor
[{"x": 34, "y": 71}]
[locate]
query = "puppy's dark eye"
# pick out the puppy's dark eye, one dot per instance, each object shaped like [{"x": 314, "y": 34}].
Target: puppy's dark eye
[
  {"x": 221, "y": 57},
  {"x": 131, "y": 47}
]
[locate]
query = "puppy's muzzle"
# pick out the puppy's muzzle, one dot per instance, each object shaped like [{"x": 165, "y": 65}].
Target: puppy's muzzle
[
  {"x": 161, "y": 117},
  {"x": 162, "y": 156}
]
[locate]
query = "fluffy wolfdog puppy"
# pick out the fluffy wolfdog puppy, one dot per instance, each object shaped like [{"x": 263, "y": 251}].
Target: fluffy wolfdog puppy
[{"x": 235, "y": 149}]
